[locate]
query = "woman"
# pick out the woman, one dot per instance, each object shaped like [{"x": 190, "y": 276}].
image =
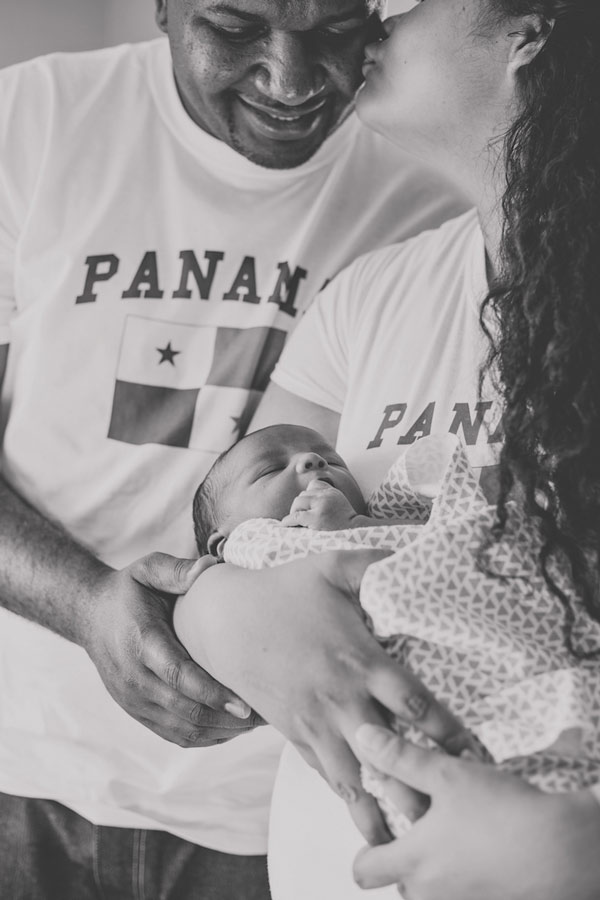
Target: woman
[
  {"x": 503, "y": 96},
  {"x": 542, "y": 255}
]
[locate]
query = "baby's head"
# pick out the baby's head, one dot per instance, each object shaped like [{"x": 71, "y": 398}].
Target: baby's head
[{"x": 260, "y": 476}]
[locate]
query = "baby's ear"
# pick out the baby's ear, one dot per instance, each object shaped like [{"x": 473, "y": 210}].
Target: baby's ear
[{"x": 216, "y": 545}]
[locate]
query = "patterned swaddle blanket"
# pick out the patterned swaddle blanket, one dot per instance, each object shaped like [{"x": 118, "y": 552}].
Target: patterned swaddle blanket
[{"x": 487, "y": 640}]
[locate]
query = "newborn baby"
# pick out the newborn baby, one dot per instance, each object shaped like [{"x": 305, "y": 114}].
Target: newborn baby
[
  {"x": 482, "y": 630},
  {"x": 284, "y": 472}
]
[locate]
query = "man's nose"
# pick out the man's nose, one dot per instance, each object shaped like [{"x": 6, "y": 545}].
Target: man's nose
[
  {"x": 288, "y": 72},
  {"x": 309, "y": 462}
]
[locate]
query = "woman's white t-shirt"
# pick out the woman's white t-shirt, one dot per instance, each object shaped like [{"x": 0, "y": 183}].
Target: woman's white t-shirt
[{"x": 395, "y": 346}]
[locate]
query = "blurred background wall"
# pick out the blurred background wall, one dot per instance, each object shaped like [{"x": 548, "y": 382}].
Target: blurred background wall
[{"x": 32, "y": 27}]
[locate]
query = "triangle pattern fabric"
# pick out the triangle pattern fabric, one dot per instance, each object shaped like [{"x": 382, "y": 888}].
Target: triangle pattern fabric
[{"x": 474, "y": 620}]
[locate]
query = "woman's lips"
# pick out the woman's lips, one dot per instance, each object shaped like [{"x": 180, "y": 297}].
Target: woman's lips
[
  {"x": 284, "y": 122},
  {"x": 367, "y": 66},
  {"x": 370, "y": 59}
]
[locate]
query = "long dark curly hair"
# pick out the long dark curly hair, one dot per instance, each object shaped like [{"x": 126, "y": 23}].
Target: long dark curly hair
[{"x": 543, "y": 310}]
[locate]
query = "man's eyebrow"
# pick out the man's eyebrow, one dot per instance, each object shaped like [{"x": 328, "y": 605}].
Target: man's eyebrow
[
  {"x": 234, "y": 11},
  {"x": 357, "y": 12}
]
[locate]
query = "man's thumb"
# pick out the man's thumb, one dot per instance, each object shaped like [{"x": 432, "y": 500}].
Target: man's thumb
[{"x": 169, "y": 574}]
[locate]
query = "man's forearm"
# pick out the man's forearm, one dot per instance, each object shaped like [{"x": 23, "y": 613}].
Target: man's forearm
[{"x": 45, "y": 575}]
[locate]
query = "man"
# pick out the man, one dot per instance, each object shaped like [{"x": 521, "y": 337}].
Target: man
[{"x": 167, "y": 212}]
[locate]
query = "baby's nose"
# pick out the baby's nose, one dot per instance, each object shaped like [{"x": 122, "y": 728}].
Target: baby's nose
[{"x": 307, "y": 462}]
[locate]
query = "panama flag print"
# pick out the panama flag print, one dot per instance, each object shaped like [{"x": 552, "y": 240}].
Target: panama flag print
[{"x": 189, "y": 385}]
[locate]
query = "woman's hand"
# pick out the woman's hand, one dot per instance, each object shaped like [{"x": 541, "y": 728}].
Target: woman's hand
[
  {"x": 289, "y": 642},
  {"x": 486, "y": 835}
]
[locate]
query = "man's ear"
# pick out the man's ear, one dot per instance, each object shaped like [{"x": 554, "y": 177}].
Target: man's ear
[
  {"x": 160, "y": 14},
  {"x": 216, "y": 544},
  {"x": 529, "y": 40}
]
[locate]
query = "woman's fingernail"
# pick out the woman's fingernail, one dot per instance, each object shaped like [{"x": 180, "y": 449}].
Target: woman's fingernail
[
  {"x": 238, "y": 708},
  {"x": 372, "y": 737}
]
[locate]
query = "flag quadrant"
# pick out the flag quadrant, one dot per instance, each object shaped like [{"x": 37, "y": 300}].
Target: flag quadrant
[{"x": 188, "y": 385}]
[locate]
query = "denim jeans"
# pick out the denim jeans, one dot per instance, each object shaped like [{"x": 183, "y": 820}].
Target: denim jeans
[{"x": 48, "y": 852}]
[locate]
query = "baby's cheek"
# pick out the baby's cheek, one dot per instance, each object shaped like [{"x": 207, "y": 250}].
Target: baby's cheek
[
  {"x": 355, "y": 497},
  {"x": 283, "y": 503}
]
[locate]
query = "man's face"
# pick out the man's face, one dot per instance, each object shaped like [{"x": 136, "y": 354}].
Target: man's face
[{"x": 271, "y": 78}]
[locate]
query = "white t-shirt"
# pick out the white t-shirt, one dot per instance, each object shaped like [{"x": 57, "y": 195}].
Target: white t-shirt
[
  {"x": 394, "y": 345},
  {"x": 148, "y": 278}
]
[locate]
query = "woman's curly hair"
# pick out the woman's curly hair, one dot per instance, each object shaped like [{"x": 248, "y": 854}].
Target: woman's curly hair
[{"x": 542, "y": 314}]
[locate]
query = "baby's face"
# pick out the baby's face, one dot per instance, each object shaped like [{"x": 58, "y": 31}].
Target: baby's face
[{"x": 267, "y": 470}]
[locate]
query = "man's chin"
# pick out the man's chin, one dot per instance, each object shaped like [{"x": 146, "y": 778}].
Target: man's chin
[{"x": 281, "y": 155}]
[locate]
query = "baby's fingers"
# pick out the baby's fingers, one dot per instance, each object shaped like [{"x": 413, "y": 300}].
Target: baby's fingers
[
  {"x": 317, "y": 486},
  {"x": 301, "y": 503},
  {"x": 301, "y": 518}
]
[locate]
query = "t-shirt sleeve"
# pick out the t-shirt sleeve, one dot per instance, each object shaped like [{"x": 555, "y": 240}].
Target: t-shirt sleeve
[
  {"x": 12, "y": 142},
  {"x": 7, "y": 252},
  {"x": 315, "y": 362}
]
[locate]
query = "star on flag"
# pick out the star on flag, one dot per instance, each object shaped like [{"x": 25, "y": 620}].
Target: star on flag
[
  {"x": 205, "y": 397},
  {"x": 167, "y": 354}
]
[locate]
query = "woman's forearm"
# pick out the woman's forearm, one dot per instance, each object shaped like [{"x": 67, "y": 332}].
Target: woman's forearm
[{"x": 292, "y": 645}]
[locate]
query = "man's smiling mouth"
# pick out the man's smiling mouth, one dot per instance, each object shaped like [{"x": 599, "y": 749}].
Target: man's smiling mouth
[
  {"x": 285, "y": 113},
  {"x": 285, "y": 122}
]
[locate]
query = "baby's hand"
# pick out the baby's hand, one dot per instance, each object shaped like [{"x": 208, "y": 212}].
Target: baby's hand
[{"x": 321, "y": 507}]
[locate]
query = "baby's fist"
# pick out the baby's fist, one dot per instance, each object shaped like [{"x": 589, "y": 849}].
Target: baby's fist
[{"x": 321, "y": 507}]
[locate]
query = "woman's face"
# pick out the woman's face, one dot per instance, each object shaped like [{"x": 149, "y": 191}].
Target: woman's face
[{"x": 439, "y": 83}]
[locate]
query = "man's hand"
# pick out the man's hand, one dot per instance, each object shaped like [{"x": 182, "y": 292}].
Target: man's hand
[
  {"x": 288, "y": 640},
  {"x": 486, "y": 836},
  {"x": 130, "y": 639},
  {"x": 321, "y": 507}
]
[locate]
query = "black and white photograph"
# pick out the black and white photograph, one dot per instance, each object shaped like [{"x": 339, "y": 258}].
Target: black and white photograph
[{"x": 299, "y": 450}]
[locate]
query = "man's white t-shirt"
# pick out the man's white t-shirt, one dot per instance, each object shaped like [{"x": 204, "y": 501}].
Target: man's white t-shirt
[
  {"x": 149, "y": 276},
  {"x": 395, "y": 346}
]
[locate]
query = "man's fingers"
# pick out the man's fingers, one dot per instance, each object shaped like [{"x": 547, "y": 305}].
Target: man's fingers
[
  {"x": 175, "y": 734},
  {"x": 166, "y": 657},
  {"x": 403, "y": 694},
  {"x": 386, "y": 864},
  {"x": 186, "y": 723},
  {"x": 198, "y": 715},
  {"x": 168, "y": 574},
  {"x": 424, "y": 770}
]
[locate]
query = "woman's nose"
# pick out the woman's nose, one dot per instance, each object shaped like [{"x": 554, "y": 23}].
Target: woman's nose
[
  {"x": 388, "y": 25},
  {"x": 308, "y": 462}
]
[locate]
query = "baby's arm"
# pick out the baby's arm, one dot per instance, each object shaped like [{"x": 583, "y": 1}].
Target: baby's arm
[{"x": 323, "y": 507}]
